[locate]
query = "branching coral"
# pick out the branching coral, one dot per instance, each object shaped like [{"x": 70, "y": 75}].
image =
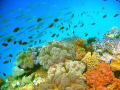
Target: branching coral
[
  {"x": 100, "y": 76},
  {"x": 91, "y": 60},
  {"x": 55, "y": 52}
]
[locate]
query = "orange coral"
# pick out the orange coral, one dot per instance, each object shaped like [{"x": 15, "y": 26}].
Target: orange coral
[
  {"x": 99, "y": 77},
  {"x": 116, "y": 82}
]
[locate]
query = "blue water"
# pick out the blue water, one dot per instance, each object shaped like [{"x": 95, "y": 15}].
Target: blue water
[{"x": 48, "y": 10}]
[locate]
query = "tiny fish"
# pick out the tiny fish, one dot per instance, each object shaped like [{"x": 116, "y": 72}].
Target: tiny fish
[
  {"x": 69, "y": 26},
  {"x": 39, "y": 40},
  {"x": 82, "y": 25},
  {"x": 10, "y": 55},
  {"x": 30, "y": 45},
  {"x": 30, "y": 37},
  {"x": 10, "y": 60},
  {"x": 56, "y": 19},
  {"x": 31, "y": 41},
  {"x": 51, "y": 25},
  {"x": 24, "y": 43},
  {"x": 16, "y": 29},
  {"x": 116, "y": 15},
  {"x": 35, "y": 42},
  {"x": 81, "y": 49},
  {"x": 66, "y": 29},
  {"x": 103, "y": 8},
  {"x": 9, "y": 40},
  {"x": 104, "y": 0},
  {"x": 73, "y": 32},
  {"x": 53, "y": 35},
  {"x": 4, "y": 44},
  {"x": 5, "y": 62},
  {"x": 4, "y": 74},
  {"x": 86, "y": 34},
  {"x": 20, "y": 42},
  {"x": 39, "y": 19},
  {"x": 104, "y": 16},
  {"x": 81, "y": 14},
  {"x": 62, "y": 28},
  {"x": 57, "y": 35},
  {"x": 14, "y": 42},
  {"x": 68, "y": 34},
  {"x": 37, "y": 31},
  {"x": 93, "y": 23},
  {"x": 72, "y": 15},
  {"x": 75, "y": 26},
  {"x": 61, "y": 23}
]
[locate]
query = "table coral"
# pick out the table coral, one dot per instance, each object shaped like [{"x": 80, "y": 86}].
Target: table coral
[
  {"x": 91, "y": 60},
  {"x": 55, "y": 52},
  {"x": 100, "y": 76}
]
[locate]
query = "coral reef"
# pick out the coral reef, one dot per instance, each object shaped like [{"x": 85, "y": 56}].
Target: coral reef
[
  {"x": 115, "y": 63},
  {"x": 100, "y": 76},
  {"x": 80, "y": 52},
  {"x": 82, "y": 44},
  {"x": 106, "y": 57},
  {"x": 29, "y": 58},
  {"x": 2, "y": 82},
  {"x": 27, "y": 79},
  {"x": 55, "y": 52},
  {"x": 16, "y": 71},
  {"x": 64, "y": 82},
  {"x": 109, "y": 43},
  {"x": 70, "y": 67},
  {"x": 24, "y": 60},
  {"x": 91, "y": 59}
]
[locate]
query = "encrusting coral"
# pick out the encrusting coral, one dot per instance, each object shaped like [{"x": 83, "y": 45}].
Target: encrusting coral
[
  {"x": 55, "y": 52},
  {"x": 91, "y": 59},
  {"x": 99, "y": 77}
]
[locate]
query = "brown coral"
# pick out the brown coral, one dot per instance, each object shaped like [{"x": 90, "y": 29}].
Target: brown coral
[{"x": 100, "y": 76}]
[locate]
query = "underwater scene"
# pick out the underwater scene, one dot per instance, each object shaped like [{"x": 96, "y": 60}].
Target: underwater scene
[{"x": 59, "y": 44}]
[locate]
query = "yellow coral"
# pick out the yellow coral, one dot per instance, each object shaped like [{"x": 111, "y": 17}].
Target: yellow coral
[
  {"x": 115, "y": 63},
  {"x": 91, "y": 60}
]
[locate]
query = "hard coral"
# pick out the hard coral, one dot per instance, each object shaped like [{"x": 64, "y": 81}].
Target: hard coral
[
  {"x": 100, "y": 76},
  {"x": 55, "y": 52},
  {"x": 2, "y": 82},
  {"x": 115, "y": 63},
  {"x": 91, "y": 60}
]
